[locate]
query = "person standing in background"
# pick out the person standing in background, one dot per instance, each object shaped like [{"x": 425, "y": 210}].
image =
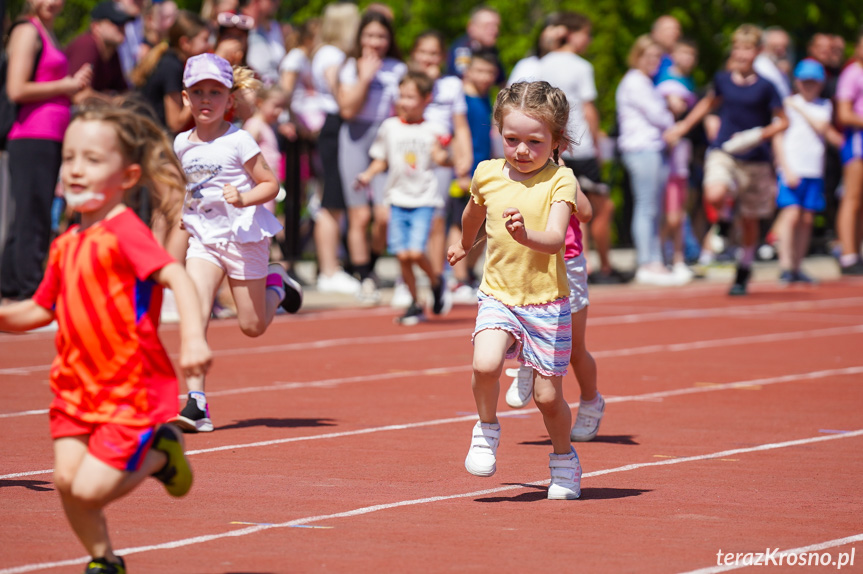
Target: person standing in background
[
  {"x": 483, "y": 28},
  {"x": 266, "y": 42}
]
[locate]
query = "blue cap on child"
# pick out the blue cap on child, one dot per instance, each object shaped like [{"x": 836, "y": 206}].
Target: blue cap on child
[
  {"x": 208, "y": 67},
  {"x": 809, "y": 69}
]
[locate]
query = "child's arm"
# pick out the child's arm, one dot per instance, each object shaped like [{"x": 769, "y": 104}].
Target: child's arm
[
  {"x": 471, "y": 221},
  {"x": 698, "y": 112},
  {"x": 462, "y": 146},
  {"x": 195, "y": 356},
  {"x": 266, "y": 185},
  {"x": 440, "y": 155},
  {"x": 846, "y": 116},
  {"x": 549, "y": 241},
  {"x": 584, "y": 211},
  {"x": 23, "y": 316},
  {"x": 791, "y": 179},
  {"x": 375, "y": 167}
]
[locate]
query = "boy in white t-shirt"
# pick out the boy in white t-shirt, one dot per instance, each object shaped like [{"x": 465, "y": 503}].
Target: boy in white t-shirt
[
  {"x": 408, "y": 147},
  {"x": 800, "y": 157}
]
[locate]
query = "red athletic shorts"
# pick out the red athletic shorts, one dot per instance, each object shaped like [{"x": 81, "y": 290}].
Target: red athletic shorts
[{"x": 119, "y": 446}]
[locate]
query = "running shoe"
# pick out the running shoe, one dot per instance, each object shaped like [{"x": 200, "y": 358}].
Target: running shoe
[
  {"x": 565, "y": 476},
  {"x": 442, "y": 297},
  {"x": 519, "y": 392},
  {"x": 193, "y": 419},
  {"x": 481, "y": 459},
  {"x": 293, "y": 297},
  {"x": 176, "y": 475},
  {"x": 587, "y": 421},
  {"x": 102, "y": 566},
  {"x": 413, "y": 315},
  {"x": 741, "y": 282}
]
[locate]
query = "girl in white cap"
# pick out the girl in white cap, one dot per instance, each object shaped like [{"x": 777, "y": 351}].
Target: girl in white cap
[{"x": 229, "y": 181}]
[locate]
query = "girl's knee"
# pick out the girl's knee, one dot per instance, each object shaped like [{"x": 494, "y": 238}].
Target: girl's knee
[
  {"x": 487, "y": 367},
  {"x": 63, "y": 480},
  {"x": 253, "y": 327}
]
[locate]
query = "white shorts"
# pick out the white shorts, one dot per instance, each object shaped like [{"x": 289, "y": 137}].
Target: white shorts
[
  {"x": 576, "y": 272},
  {"x": 243, "y": 261}
]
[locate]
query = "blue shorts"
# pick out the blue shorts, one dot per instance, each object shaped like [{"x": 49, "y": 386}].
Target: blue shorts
[
  {"x": 853, "y": 148},
  {"x": 409, "y": 228},
  {"x": 809, "y": 194}
]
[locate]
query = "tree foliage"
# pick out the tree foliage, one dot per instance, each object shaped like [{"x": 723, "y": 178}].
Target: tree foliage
[{"x": 616, "y": 24}]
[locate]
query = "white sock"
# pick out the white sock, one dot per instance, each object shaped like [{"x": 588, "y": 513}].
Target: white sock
[{"x": 200, "y": 398}]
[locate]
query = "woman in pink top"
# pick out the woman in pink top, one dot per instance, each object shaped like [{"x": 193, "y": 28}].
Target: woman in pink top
[{"x": 41, "y": 88}]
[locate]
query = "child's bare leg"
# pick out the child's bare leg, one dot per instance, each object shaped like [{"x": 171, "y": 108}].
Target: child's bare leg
[
  {"x": 802, "y": 235},
  {"x": 86, "y": 485},
  {"x": 207, "y": 277},
  {"x": 489, "y": 353},
  {"x": 428, "y": 268},
  {"x": 582, "y": 362},
  {"x": 406, "y": 263},
  {"x": 548, "y": 395},
  {"x": 785, "y": 229},
  {"x": 436, "y": 246},
  {"x": 256, "y": 305}
]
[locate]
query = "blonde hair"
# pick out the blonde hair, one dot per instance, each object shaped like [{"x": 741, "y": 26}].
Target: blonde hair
[
  {"x": 639, "y": 47},
  {"x": 141, "y": 142},
  {"x": 187, "y": 25},
  {"x": 541, "y": 101},
  {"x": 339, "y": 25},
  {"x": 244, "y": 79},
  {"x": 748, "y": 34}
]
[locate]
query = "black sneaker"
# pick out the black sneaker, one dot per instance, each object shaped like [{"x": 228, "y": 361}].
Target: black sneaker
[
  {"x": 293, "y": 299},
  {"x": 801, "y": 277},
  {"x": 741, "y": 281},
  {"x": 613, "y": 277},
  {"x": 442, "y": 298},
  {"x": 193, "y": 419},
  {"x": 102, "y": 566},
  {"x": 412, "y": 316},
  {"x": 855, "y": 268}
]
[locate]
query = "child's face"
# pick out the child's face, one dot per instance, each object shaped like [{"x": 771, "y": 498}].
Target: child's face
[
  {"x": 684, "y": 58},
  {"x": 272, "y": 107},
  {"x": 411, "y": 104},
  {"x": 208, "y": 100},
  {"x": 481, "y": 74},
  {"x": 580, "y": 40},
  {"x": 809, "y": 89},
  {"x": 527, "y": 142},
  {"x": 428, "y": 54},
  {"x": 93, "y": 170},
  {"x": 742, "y": 57}
]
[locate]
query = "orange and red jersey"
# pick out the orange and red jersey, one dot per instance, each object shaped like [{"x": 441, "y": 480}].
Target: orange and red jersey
[{"x": 110, "y": 365}]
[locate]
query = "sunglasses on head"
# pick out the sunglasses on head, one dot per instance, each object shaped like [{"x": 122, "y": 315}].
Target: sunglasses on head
[{"x": 241, "y": 21}]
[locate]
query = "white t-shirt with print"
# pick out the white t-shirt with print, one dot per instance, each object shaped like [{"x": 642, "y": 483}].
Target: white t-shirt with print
[
  {"x": 209, "y": 167},
  {"x": 574, "y": 75},
  {"x": 804, "y": 148},
  {"x": 407, "y": 149},
  {"x": 383, "y": 90},
  {"x": 447, "y": 101}
]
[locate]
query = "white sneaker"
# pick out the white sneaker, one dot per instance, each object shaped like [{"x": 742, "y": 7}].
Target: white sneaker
[
  {"x": 565, "y": 476},
  {"x": 338, "y": 282},
  {"x": 587, "y": 421},
  {"x": 369, "y": 294},
  {"x": 647, "y": 276},
  {"x": 401, "y": 296},
  {"x": 682, "y": 271},
  {"x": 481, "y": 459},
  {"x": 464, "y": 294},
  {"x": 521, "y": 389}
]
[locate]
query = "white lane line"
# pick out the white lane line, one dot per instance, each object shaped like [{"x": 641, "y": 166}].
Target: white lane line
[
  {"x": 811, "y": 548},
  {"x": 515, "y": 413},
  {"x": 418, "y": 501},
  {"x": 612, "y": 353},
  {"x": 736, "y": 311}
]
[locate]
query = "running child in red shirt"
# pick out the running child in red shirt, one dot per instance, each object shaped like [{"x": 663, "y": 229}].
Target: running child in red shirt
[{"x": 114, "y": 386}]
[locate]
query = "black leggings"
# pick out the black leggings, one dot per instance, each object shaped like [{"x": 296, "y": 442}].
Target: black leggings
[
  {"x": 328, "y": 148},
  {"x": 33, "y": 168}
]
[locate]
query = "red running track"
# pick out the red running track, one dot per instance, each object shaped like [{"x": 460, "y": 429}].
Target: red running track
[{"x": 732, "y": 426}]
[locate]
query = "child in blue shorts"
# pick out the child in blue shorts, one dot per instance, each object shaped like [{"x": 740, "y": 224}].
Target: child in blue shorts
[
  {"x": 800, "y": 154},
  {"x": 408, "y": 147}
]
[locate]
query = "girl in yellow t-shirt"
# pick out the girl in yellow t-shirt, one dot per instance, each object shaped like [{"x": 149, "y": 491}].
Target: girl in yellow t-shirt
[{"x": 524, "y": 311}]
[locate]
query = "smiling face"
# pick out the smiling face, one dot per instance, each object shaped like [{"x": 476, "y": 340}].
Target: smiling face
[
  {"x": 208, "y": 100},
  {"x": 428, "y": 54},
  {"x": 411, "y": 104},
  {"x": 527, "y": 143},
  {"x": 94, "y": 172}
]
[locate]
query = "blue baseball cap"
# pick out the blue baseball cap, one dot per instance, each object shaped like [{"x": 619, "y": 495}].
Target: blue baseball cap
[{"x": 809, "y": 69}]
